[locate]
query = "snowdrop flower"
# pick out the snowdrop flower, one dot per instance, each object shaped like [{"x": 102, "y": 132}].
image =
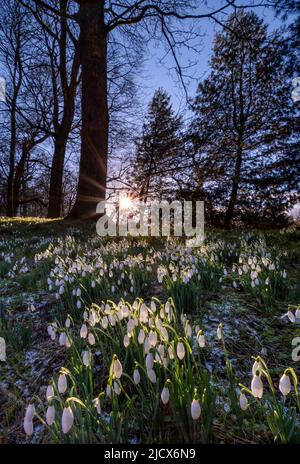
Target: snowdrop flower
[
  {"x": 117, "y": 369},
  {"x": 130, "y": 325},
  {"x": 165, "y": 395},
  {"x": 50, "y": 415},
  {"x": 68, "y": 342},
  {"x": 291, "y": 316},
  {"x": 86, "y": 358},
  {"x": 117, "y": 388},
  {"x": 83, "y": 331},
  {"x": 284, "y": 275},
  {"x": 152, "y": 338},
  {"x": 195, "y": 409},
  {"x": 257, "y": 387},
  {"x": 146, "y": 345},
  {"x": 164, "y": 334},
  {"x": 68, "y": 323},
  {"x": 297, "y": 314},
  {"x": 62, "y": 339},
  {"x": 144, "y": 313},
  {"x": 149, "y": 361},
  {"x": 78, "y": 304},
  {"x": 171, "y": 352},
  {"x": 104, "y": 322},
  {"x": 91, "y": 339},
  {"x": 51, "y": 332},
  {"x": 180, "y": 351},
  {"x": 67, "y": 419},
  {"x": 219, "y": 332},
  {"x": 201, "y": 339},
  {"x": 97, "y": 405},
  {"x": 49, "y": 393},
  {"x": 188, "y": 330},
  {"x": 285, "y": 384},
  {"x": 126, "y": 340},
  {"x": 141, "y": 337},
  {"x": 30, "y": 412},
  {"x": 151, "y": 375},
  {"x": 28, "y": 427},
  {"x": 62, "y": 383},
  {"x": 243, "y": 402},
  {"x": 256, "y": 367},
  {"x": 136, "y": 376},
  {"x": 108, "y": 391}
]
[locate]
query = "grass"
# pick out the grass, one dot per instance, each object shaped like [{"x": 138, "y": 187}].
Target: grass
[{"x": 69, "y": 274}]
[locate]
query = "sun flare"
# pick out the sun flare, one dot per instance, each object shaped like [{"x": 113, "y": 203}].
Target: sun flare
[{"x": 125, "y": 203}]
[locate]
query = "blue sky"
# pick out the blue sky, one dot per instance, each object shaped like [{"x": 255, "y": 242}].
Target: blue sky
[{"x": 157, "y": 74}]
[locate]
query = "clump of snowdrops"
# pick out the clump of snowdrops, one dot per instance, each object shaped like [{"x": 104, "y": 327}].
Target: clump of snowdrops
[{"x": 137, "y": 372}]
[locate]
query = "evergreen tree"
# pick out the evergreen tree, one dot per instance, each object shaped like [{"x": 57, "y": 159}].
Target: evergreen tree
[
  {"x": 158, "y": 149},
  {"x": 245, "y": 126}
]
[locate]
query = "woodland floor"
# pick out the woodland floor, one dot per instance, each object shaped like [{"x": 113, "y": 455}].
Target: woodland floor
[{"x": 27, "y": 307}]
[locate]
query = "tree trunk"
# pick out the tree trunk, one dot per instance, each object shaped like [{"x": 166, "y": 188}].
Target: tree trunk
[
  {"x": 234, "y": 189},
  {"x": 12, "y": 155},
  {"x": 56, "y": 176},
  {"x": 19, "y": 174},
  {"x": 94, "y": 136}
]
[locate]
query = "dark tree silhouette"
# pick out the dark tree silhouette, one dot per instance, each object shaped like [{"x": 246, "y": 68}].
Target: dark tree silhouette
[{"x": 245, "y": 126}]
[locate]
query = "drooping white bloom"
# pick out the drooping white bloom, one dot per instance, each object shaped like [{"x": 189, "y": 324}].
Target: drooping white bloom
[
  {"x": 152, "y": 338},
  {"x": 201, "y": 339},
  {"x": 28, "y": 427},
  {"x": 180, "y": 350},
  {"x": 243, "y": 402},
  {"x": 117, "y": 387},
  {"x": 91, "y": 339},
  {"x": 165, "y": 395},
  {"x": 141, "y": 337},
  {"x": 49, "y": 393},
  {"x": 50, "y": 415},
  {"x": 67, "y": 419},
  {"x": 117, "y": 368},
  {"x": 285, "y": 385},
  {"x": 151, "y": 375},
  {"x": 126, "y": 340},
  {"x": 256, "y": 367},
  {"x": 257, "y": 387},
  {"x": 164, "y": 334},
  {"x": 62, "y": 339},
  {"x": 144, "y": 313},
  {"x": 83, "y": 331},
  {"x": 30, "y": 412},
  {"x": 136, "y": 376},
  {"x": 68, "y": 323},
  {"x": 108, "y": 391},
  {"x": 97, "y": 405},
  {"x": 195, "y": 409},
  {"x": 86, "y": 358},
  {"x": 104, "y": 322},
  {"x": 62, "y": 383},
  {"x": 291, "y": 316},
  {"x": 297, "y": 314},
  {"x": 68, "y": 342},
  {"x": 149, "y": 361},
  {"x": 219, "y": 332}
]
